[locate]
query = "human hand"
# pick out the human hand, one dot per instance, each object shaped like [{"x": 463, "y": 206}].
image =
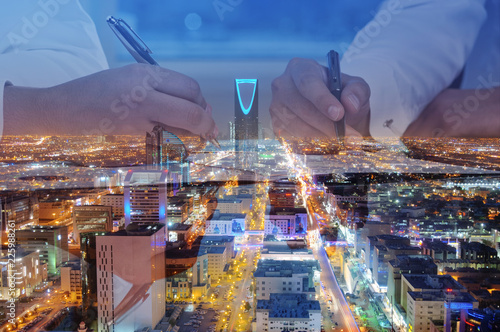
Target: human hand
[
  {"x": 302, "y": 105},
  {"x": 459, "y": 113},
  {"x": 124, "y": 100}
]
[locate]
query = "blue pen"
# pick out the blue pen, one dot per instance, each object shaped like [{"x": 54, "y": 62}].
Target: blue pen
[{"x": 335, "y": 87}]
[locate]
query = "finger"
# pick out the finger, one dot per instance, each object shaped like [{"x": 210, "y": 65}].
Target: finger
[
  {"x": 181, "y": 113},
  {"x": 310, "y": 79},
  {"x": 355, "y": 94},
  {"x": 174, "y": 84},
  {"x": 297, "y": 128},
  {"x": 288, "y": 104},
  {"x": 181, "y": 133}
]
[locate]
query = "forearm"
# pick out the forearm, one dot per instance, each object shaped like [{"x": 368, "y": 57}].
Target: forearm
[
  {"x": 460, "y": 113},
  {"x": 25, "y": 111}
]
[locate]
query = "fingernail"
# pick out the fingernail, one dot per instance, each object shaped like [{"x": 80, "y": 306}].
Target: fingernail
[
  {"x": 333, "y": 112},
  {"x": 354, "y": 101}
]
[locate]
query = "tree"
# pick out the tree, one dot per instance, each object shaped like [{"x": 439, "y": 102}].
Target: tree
[
  {"x": 247, "y": 306},
  {"x": 172, "y": 322}
]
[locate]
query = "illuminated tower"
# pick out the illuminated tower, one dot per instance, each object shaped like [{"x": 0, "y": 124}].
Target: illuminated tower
[{"x": 246, "y": 119}]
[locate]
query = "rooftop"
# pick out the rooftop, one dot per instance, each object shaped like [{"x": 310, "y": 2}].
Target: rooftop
[
  {"x": 176, "y": 253},
  {"x": 214, "y": 239},
  {"x": 288, "y": 305},
  {"x": 216, "y": 250},
  {"x": 417, "y": 261},
  {"x": 138, "y": 229},
  {"x": 433, "y": 281},
  {"x": 227, "y": 216},
  {"x": 438, "y": 246},
  {"x": 228, "y": 200},
  {"x": 454, "y": 297},
  {"x": 477, "y": 246},
  {"x": 177, "y": 226},
  {"x": 286, "y": 211},
  {"x": 276, "y": 268}
]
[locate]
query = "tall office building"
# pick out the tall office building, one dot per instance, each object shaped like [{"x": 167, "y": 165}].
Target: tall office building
[
  {"x": 51, "y": 242},
  {"x": 23, "y": 210},
  {"x": 116, "y": 201},
  {"x": 165, "y": 150},
  {"x": 91, "y": 218},
  {"x": 232, "y": 134},
  {"x": 146, "y": 197},
  {"x": 88, "y": 250},
  {"x": 131, "y": 278},
  {"x": 246, "y": 120}
]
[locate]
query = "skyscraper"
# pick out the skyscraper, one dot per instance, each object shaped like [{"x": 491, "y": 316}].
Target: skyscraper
[
  {"x": 91, "y": 218},
  {"x": 131, "y": 278},
  {"x": 146, "y": 197},
  {"x": 165, "y": 150},
  {"x": 246, "y": 120},
  {"x": 232, "y": 136}
]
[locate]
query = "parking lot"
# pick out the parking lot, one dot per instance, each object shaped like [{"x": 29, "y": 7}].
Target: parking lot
[{"x": 197, "y": 318}]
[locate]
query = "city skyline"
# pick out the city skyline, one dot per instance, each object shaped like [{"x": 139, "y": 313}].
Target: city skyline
[{"x": 355, "y": 224}]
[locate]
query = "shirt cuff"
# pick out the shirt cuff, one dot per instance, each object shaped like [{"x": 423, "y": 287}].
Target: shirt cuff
[{"x": 389, "y": 115}]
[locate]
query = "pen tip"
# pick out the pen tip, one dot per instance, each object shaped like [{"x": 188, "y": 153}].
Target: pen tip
[{"x": 215, "y": 143}]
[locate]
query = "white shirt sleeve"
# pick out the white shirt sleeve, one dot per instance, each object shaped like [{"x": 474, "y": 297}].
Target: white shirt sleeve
[
  {"x": 45, "y": 43},
  {"x": 408, "y": 53}
]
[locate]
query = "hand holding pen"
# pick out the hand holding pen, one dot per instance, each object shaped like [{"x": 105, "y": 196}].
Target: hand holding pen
[
  {"x": 142, "y": 54},
  {"x": 303, "y": 106}
]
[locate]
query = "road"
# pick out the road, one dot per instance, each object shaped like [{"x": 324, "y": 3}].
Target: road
[
  {"x": 343, "y": 314},
  {"x": 242, "y": 291}
]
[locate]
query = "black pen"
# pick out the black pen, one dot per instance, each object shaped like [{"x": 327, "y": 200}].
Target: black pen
[
  {"x": 335, "y": 87},
  {"x": 137, "y": 48}
]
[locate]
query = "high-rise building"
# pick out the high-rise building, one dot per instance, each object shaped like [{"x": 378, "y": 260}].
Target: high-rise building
[
  {"x": 246, "y": 120},
  {"x": 116, "y": 202},
  {"x": 232, "y": 134},
  {"x": 27, "y": 270},
  {"x": 51, "y": 242},
  {"x": 131, "y": 278},
  {"x": 91, "y": 218},
  {"x": 22, "y": 209},
  {"x": 71, "y": 280},
  {"x": 88, "y": 264},
  {"x": 146, "y": 197},
  {"x": 165, "y": 150}
]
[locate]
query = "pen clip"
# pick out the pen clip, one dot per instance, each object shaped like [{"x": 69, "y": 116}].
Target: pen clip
[
  {"x": 114, "y": 23},
  {"x": 334, "y": 83}
]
